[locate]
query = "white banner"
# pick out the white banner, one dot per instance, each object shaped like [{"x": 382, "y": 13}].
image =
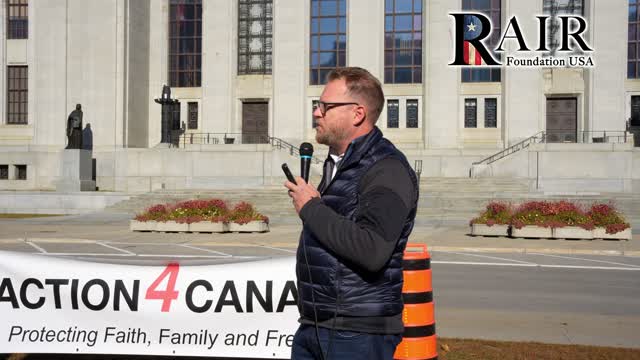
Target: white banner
[{"x": 59, "y": 305}]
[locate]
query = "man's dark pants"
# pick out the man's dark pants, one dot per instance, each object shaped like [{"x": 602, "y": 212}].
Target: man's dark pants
[{"x": 344, "y": 345}]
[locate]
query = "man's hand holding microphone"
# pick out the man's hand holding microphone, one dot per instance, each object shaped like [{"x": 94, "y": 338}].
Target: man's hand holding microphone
[{"x": 300, "y": 190}]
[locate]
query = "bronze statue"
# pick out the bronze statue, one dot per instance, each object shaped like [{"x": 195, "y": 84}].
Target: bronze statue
[{"x": 74, "y": 129}]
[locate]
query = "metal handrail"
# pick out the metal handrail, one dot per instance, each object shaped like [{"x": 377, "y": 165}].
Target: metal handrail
[
  {"x": 512, "y": 149},
  {"x": 185, "y": 139},
  {"x": 598, "y": 136}
]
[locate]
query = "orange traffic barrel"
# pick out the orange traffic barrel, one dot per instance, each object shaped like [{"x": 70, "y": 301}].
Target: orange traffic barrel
[{"x": 419, "y": 338}]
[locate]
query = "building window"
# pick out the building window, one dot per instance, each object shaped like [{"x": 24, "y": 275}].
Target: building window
[
  {"x": 17, "y": 19},
  {"x": 403, "y": 41},
  {"x": 185, "y": 43},
  {"x": 193, "y": 115},
  {"x": 314, "y": 106},
  {"x": 490, "y": 8},
  {"x": 393, "y": 114},
  {"x": 470, "y": 113},
  {"x": 328, "y": 38},
  {"x": 255, "y": 36},
  {"x": 554, "y": 8},
  {"x": 17, "y": 91},
  {"x": 4, "y": 172},
  {"x": 635, "y": 111},
  {"x": 21, "y": 172},
  {"x": 490, "y": 113},
  {"x": 412, "y": 113},
  {"x": 633, "y": 60}
]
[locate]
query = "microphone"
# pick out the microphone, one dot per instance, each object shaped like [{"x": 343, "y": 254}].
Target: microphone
[{"x": 306, "y": 152}]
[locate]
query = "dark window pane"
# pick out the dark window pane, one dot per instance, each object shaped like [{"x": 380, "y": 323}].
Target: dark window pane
[
  {"x": 631, "y": 70},
  {"x": 403, "y": 75},
  {"x": 185, "y": 42},
  {"x": 631, "y": 52},
  {"x": 388, "y": 23},
  {"x": 388, "y": 76},
  {"x": 417, "y": 23},
  {"x": 388, "y": 57},
  {"x": 17, "y": 93},
  {"x": 314, "y": 25},
  {"x": 328, "y": 59},
  {"x": 328, "y": 25},
  {"x": 470, "y": 113},
  {"x": 633, "y": 13},
  {"x": 417, "y": 57},
  {"x": 403, "y": 23},
  {"x": 490, "y": 113},
  {"x": 323, "y": 75},
  {"x": 21, "y": 172},
  {"x": 403, "y": 6},
  {"x": 4, "y": 172},
  {"x": 635, "y": 111},
  {"x": 313, "y": 77},
  {"x": 342, "y": 58},
  {"x": 342, "y": 42},
  {"x": 328, "y": 8},
  {"x": 388, "y": 6},
  {"x": 17, "y": 19},
  {"x": 328, "y": 42},
  {"x": 417, "y": 5},
  {"x": 343, "y": 25},
  {"x": 193, "y": 115},
  {"x": 403, "y": 57},
  {"x": 393, "y": 114},
  {"x": 412, "y": 114},
  {"x": 403, "y": 39},
  {"x": 417, "y": 75}
]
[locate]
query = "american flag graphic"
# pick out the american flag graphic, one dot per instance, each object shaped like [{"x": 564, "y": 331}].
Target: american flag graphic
[
  {"x": 471, "y": 55},
  {"x": 473, "y": 28}
]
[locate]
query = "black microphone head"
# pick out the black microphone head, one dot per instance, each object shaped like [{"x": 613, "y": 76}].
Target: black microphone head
[{"x": 306, "y": 149}]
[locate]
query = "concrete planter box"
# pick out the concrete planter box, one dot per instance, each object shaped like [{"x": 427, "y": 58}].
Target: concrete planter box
[
  {"x": 135, "y": 225},
  {"x": 253, "y": 226},
  {"x": 601, "y": 233},
  {"x": 485, "y": 230},
  {"x": 531, "y": 231},
  {"x": 572, "y": 232},
  {"x": 208, "y": 227},
  {"x": 172, "y": 226}
]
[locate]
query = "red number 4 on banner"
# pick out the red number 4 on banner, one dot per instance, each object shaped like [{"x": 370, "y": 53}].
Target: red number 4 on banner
[{"x": 170, "y": 293}]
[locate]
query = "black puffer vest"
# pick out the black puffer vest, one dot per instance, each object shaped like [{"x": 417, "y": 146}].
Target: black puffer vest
[{"x": 338, "y": 288}]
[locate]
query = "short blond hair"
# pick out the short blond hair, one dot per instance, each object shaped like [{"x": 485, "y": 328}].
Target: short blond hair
[{"x": 360, "y": 83}]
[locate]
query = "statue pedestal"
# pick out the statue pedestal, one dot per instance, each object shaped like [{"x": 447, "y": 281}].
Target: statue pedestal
[{"x": 75, "y": 171}]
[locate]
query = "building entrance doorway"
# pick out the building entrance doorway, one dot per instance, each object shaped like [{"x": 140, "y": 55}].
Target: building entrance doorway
[
  {"x": 255, "y": 122},
  {"x": 562, "y": 120}
]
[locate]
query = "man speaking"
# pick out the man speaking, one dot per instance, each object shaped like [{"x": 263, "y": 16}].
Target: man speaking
[{"x": 356, "y": 227}]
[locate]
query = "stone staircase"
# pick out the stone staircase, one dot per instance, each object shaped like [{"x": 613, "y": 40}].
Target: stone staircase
[{"x": 443, "y": 201}]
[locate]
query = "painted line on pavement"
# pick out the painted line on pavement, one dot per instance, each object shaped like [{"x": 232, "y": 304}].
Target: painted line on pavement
[
  {"x": 490, "y": 257},
  {"x": 84, "y": 254},
  {"x": 583, "y": 259},
  {"x": 205, "y": 250},
  {"x": 275, "y": 248},
  {"x": 202, "y": 256},
  {"x": 537, "y": 265},
  {"x": 43, "y": 251},
  {"x": 115, "y": 248}
]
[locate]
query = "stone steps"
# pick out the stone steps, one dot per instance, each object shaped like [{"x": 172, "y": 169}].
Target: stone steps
[{"x": 442, "y": 200}]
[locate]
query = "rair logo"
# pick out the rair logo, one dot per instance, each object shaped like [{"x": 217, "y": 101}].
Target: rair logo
[{"x": 473, "y": 30}]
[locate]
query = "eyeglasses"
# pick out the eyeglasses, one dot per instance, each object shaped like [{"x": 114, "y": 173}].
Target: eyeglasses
[{"x": 326, "y": 106}]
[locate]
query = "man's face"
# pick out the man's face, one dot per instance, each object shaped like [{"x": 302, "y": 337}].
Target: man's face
[{"x": 333, "y": 126}]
